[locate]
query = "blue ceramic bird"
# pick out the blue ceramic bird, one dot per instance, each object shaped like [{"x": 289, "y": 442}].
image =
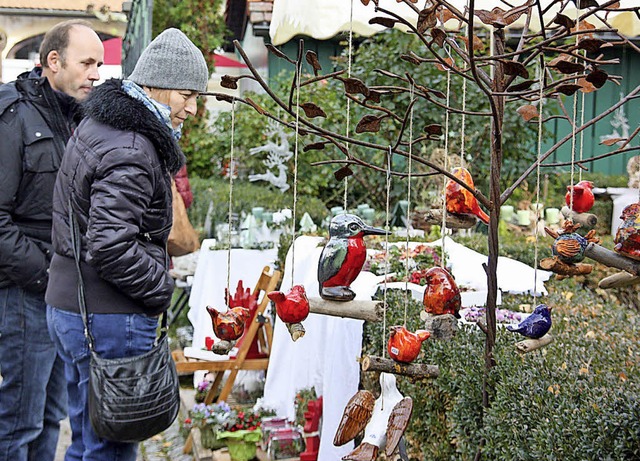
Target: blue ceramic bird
[
  {"x": 536, "y": 325},
  {"x": 342, "y": 258}
]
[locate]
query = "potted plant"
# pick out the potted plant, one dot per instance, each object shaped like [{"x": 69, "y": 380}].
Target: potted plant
[
  {"x": 241, "y": 432},
  {"x": 210, "y": 419}
]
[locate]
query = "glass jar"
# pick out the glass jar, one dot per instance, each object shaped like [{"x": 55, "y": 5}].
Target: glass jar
[
  {"x": 268, "y": 426},
  {"x": 285, "y": 443}
]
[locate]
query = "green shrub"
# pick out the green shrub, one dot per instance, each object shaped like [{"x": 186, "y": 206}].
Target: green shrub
[
  {"x": 576, "y": 399},
  {"x": 245, "y": 196}
]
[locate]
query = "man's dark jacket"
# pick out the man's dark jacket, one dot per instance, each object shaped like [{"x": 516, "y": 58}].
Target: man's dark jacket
[
  {"x": 117, "y": 170},
  {"x": 35, "y": 124}
]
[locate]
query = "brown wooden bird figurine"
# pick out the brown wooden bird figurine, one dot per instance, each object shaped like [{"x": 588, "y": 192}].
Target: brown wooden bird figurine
[
  {"x": 388, "y": 421},
  {"x": 441, "y": 295},
  {"x": 459, "y": 200},
  {"x": 627, "y": 241},
  {"x": 292, "y": 309},
  {"x": 228, "y": 325},
  {"x": 403, "y": 345},
  {"x": 355, "y": 417}
]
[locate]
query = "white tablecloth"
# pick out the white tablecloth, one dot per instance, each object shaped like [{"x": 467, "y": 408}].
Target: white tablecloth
[{"x": 210, "y": 281}]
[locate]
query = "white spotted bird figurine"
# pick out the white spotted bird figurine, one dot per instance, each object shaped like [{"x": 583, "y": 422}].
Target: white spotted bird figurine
[{"x": 387, "y": 422}]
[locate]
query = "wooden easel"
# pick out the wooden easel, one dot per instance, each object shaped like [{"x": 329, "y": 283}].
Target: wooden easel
[{"x": 259, "y": 325}]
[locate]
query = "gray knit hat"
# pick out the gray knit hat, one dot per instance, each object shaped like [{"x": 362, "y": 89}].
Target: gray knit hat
[{"x": 172, "y": 62}]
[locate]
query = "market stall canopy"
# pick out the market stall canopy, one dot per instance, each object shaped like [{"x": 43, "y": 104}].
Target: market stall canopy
[{"x": 323, "y": 19}]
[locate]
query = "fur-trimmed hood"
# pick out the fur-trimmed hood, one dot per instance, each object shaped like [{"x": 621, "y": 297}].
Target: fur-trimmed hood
[{"x": 110, "y": 105}]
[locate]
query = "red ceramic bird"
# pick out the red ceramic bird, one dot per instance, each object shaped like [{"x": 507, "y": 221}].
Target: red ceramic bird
[
  {"x": 441, "y": 295},
  {"x": 292, "y": 309},
  {"x": 459, "y": 200},
  {"x": 627, "y": 241},
  {"x": 228, "y": 325},
  {"x": 404, "y": 346},
  {"x": 582, "y": 196}
]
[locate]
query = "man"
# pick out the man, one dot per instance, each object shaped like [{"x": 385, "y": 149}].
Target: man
[{"x": 38, "y": 113}]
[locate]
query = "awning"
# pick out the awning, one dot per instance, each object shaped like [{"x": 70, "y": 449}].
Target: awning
[
  {"x": 323, "y": 19},
  {"x": 113, "y": 51},
  {"x": 223, "y": 61}
]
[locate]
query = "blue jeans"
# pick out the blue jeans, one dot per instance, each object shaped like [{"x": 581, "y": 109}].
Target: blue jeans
[
  {"x": 33, "y": 399},
  {"x": 115, "y": 336}
]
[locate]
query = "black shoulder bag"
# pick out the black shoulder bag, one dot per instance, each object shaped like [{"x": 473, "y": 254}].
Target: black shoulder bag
[{"x": 130, "y": 398}]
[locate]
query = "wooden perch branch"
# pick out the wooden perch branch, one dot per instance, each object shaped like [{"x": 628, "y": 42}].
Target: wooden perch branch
[
  {"x": 619, "y": 280},
  {"x": 371, "y": 311},
  {"x": 529, "y": 345},
  {"x": 562, "y": 269},
  {"x": 420, "y": 219},
  {"x": 612, "y": 259},
  {"x": 587, "y": 220},
  {"x": 414, "y": 370}
]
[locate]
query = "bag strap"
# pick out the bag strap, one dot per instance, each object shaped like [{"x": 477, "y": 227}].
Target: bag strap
[{"x": 75, "y": 243}]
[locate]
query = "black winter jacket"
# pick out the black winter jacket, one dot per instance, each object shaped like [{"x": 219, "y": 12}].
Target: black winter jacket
[
  {"x": 35, "y": 124},
  {"x": 117, "y": 171}
]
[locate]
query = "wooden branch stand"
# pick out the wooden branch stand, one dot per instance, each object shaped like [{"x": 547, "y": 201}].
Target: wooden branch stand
[
  {"x": 371, "y": 311},
  {"x": 529, "y": 345},
  {"x": 414, "y": 370}
]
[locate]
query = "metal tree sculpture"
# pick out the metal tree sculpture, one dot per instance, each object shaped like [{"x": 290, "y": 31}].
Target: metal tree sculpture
[{"x": 566, "y": 54}]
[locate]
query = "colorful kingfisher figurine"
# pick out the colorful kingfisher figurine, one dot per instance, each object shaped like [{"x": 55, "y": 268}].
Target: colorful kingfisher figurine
[
  {"x": 459, "y": 200},
  {"x": 627, "y": 241},
  {"x": 441, "y": 295},
  {"x": 582, "y": 196},
  {"x": 536, "y": 325},
  {"x": 569, "y": 246},
  {"x": 403, "y": 345},
  {"x": 292, "y": 309},
  {"x": 388, "y": 421},
  {"x": 342, "y": 258},
  {"x": 229, "y": 325}
]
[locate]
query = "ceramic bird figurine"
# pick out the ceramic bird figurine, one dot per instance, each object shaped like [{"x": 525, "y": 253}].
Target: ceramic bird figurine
[
  {"x": 582, "y": 196},
  {"x": 536, "y": 325},
  {"x": 343, "y": 256},
  {"x": 627, "y": 241},
  {"x": 459, "y": 200},
  {"x": 569, "y": 246},
  {"x": 355, "y": 417},
  {"x": 441, "y": 295},
  {"x": 403, "y": 345},
  {"x": 292, "y": 309},
  {"x": 388, "y": 421},
  {"x": 228, "y": 325}
]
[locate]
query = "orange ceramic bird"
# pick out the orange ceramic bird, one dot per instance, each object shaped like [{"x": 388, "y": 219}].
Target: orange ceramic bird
[
  {"x": 627, "y": 241},
  {"x": 582, "y": 196},
  {"x": 403, "y": 345},
  {"x": 292, "y": 309},
  {"x": 441, "y": 295},
  {"x": 228, "y": 325},
  {"x": 459, "y": 200}
]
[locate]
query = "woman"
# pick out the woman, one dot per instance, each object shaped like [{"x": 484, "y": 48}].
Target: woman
[{"x": 116, "y": 173}]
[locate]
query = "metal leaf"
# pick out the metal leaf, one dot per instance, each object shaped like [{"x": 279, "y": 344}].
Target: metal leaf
[
  {"x": 433, "y": 129},
  {"x": 597, "y": 78},
  {"x": 389, "y": 23},
  {"x": 411, "y": 59},
  {"x": 224, "y": 97},
  {"x": 439, "y": 35},
  {"x": 312, "y": 59},
  {"x": 528, "y": 112},
  {"x": 277, "y": 52},
  {"x": 444, "y": 14},
  {"x": 354, "y": 85},
  {"x": 521, "y": 86},
  {"x": 612, "y": 141},
  {"x": 427, "y": 19},
  {"x": 587, "y": 87},
  {"x": 582, "y": 4},
  {"x": 568, "y": 67},
  {"x": 477, "y": 43},
  {"x": 449, "y": 61},
  {"x": 256, "y": 106},
  {"x": 315, "y": 146},
  {"x": 568, "y": 88},
  {"x": 312, "y": 110},
  {"x": 565, "y": 21},
  {"x": 342, "y": 173},
  {"x": 590, "y": 44},
  {"x": 227, "y": 81},
  {"x": 515, "y": 68},
  {"x": 386, "y": 73},
  {"x": 487, "y": 17},
  {"x": 368, "y": 124},
  {"x": 374, "y": 96}
]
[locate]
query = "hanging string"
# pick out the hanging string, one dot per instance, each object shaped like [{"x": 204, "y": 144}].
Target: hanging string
[
  {"x": 573, "y": 121},
  {"x": 535, "y": 251},
  {"x": 231, "y": 168},
  {"x": 463, "y": 121},
  {"x": 295, "y": 176},
  {"x": 581, "y": 133},
  {"x": 346, "y": 179},
  {"x": 445, "y": 168},
  {"x": 386, "y": 252},
  {"x": 406, "y": 286}
]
